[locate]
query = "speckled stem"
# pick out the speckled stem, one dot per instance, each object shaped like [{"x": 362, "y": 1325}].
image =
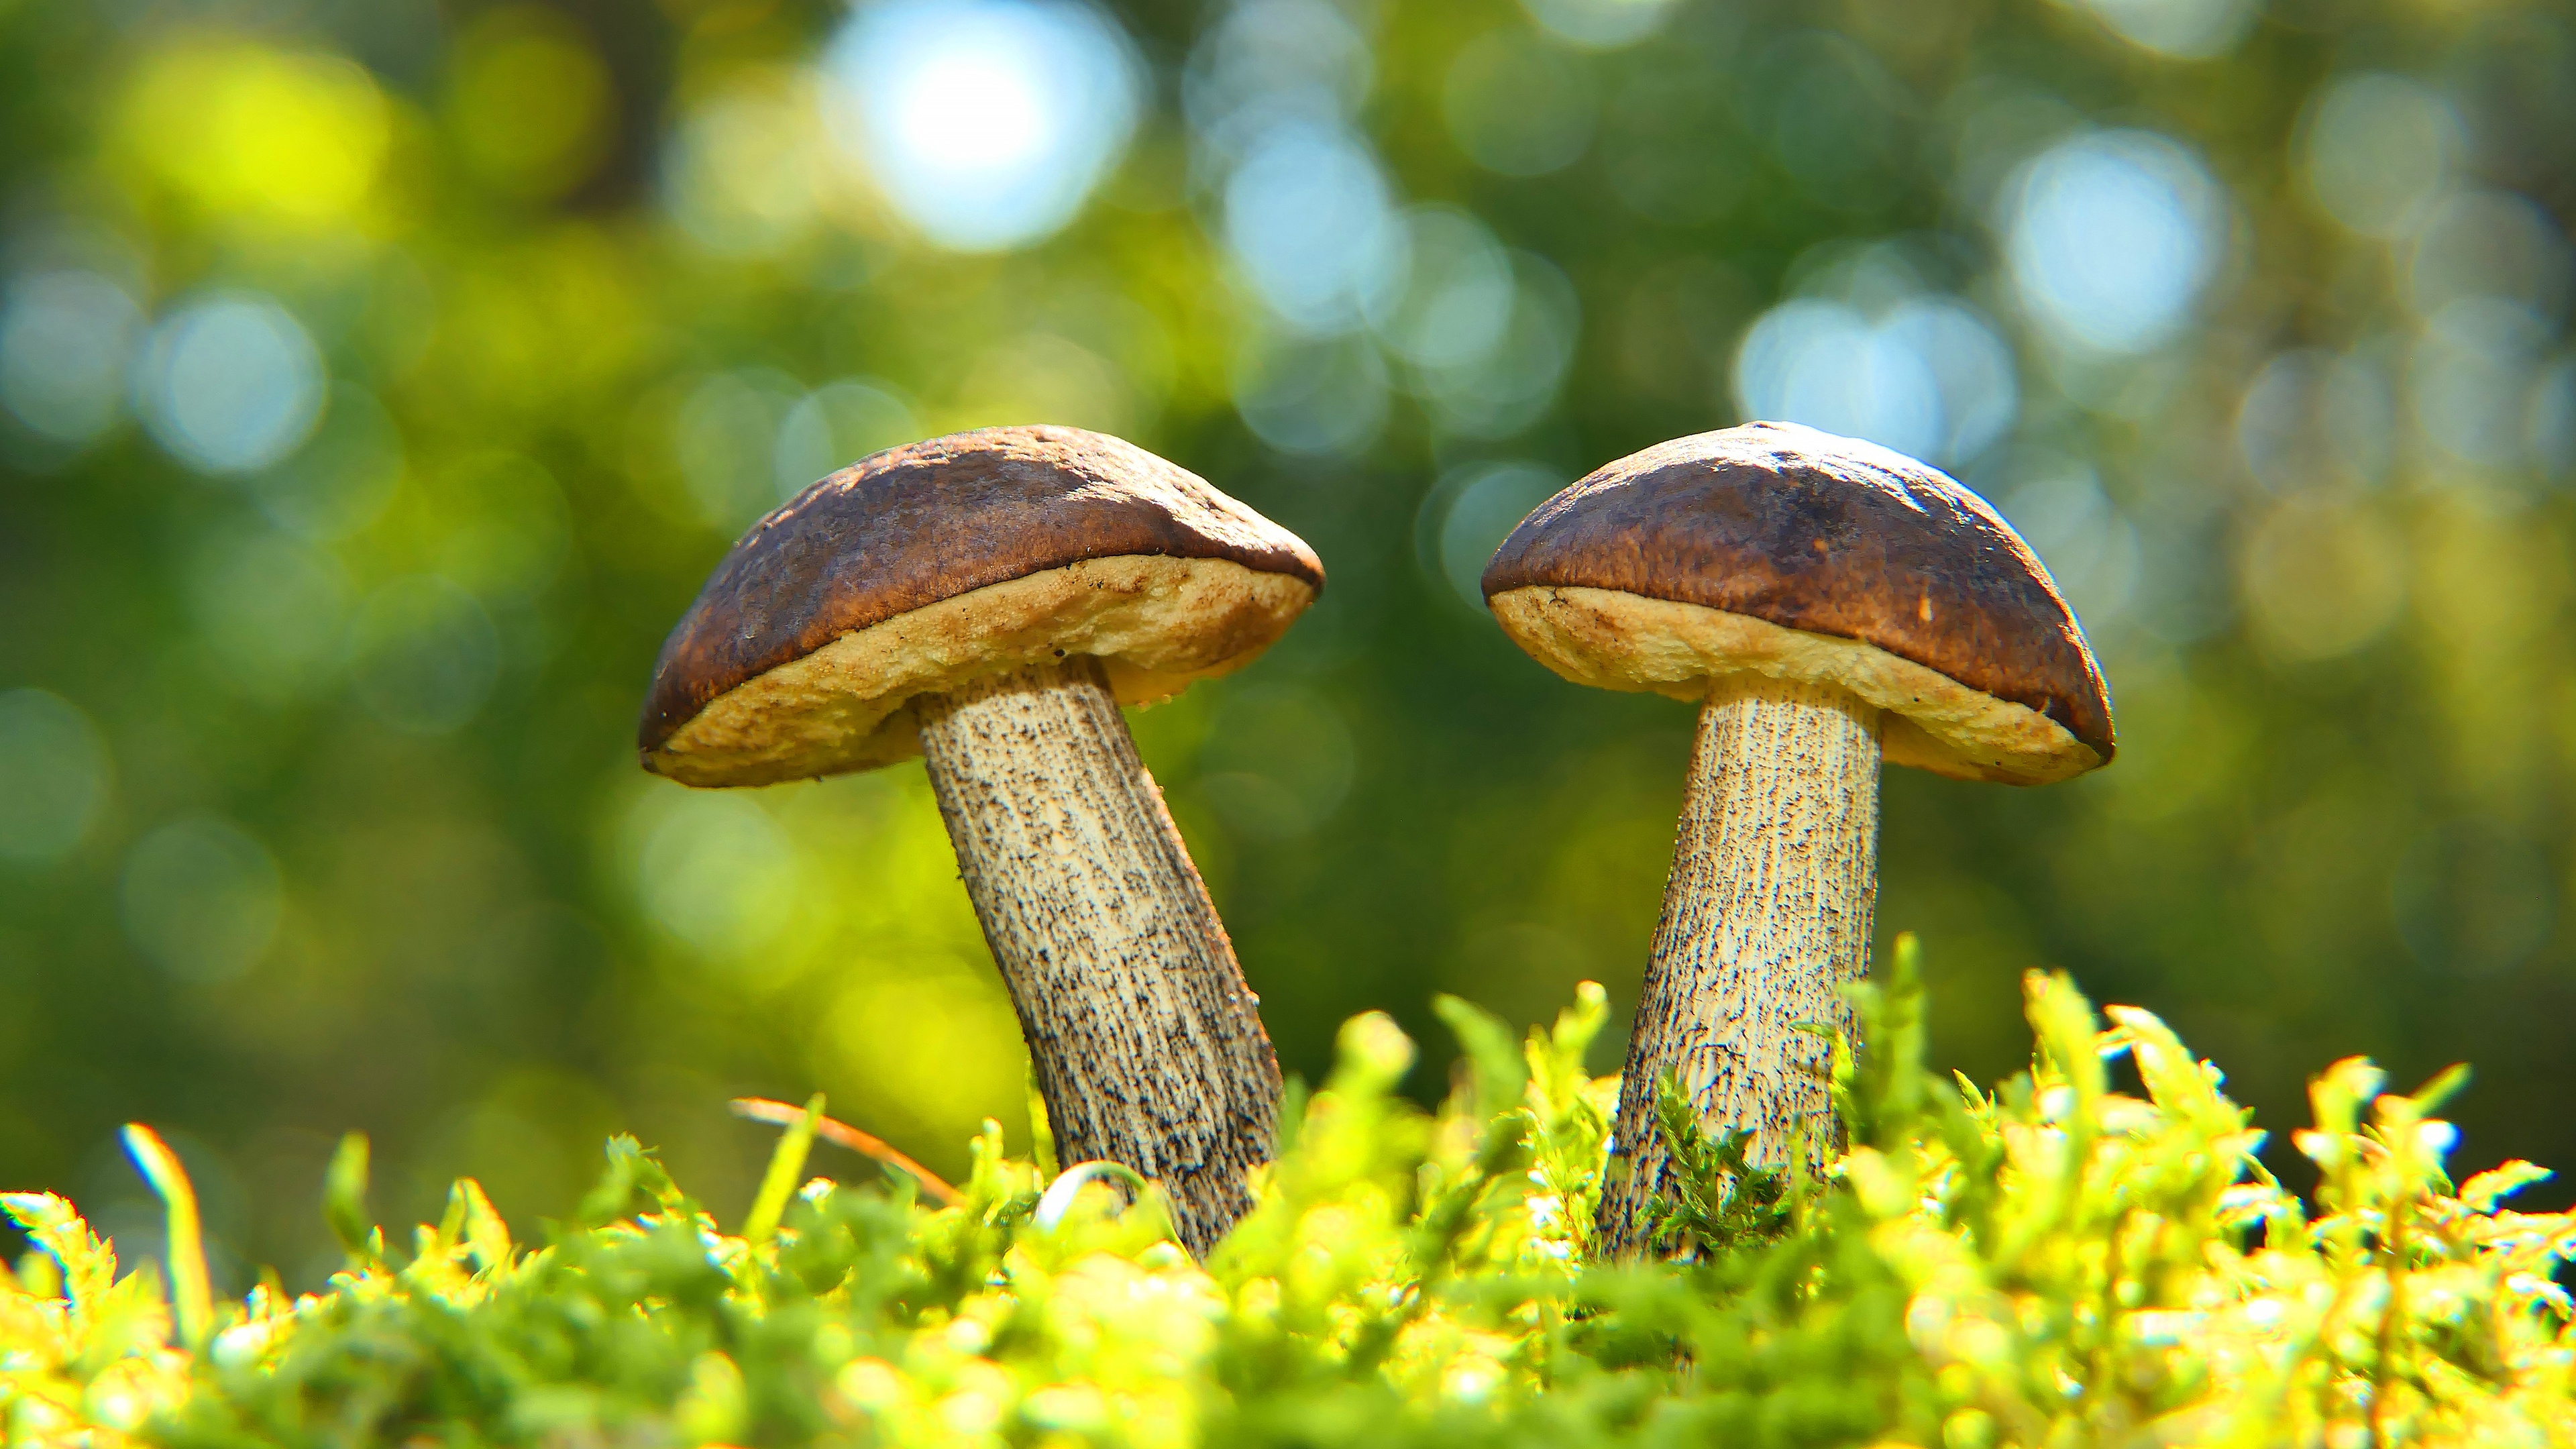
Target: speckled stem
[
  {"x": 1766, "y": 916},
  {"x": 1148, "y": 1045}
]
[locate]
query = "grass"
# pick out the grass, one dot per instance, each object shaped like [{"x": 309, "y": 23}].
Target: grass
[{"x": 2053, "y": 1262}]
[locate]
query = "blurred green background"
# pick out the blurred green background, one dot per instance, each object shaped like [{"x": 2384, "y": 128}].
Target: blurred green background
[{"x": 380, "y": 378}]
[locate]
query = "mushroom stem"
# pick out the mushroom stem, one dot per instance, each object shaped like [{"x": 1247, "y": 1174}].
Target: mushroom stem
[
  {"x": 1766, "y": 917},
  {"x": 1148, "y": 1048}
]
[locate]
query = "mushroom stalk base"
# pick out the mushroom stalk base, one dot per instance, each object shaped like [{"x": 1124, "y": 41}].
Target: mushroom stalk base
[
  {"x": 1766, "y": 917},
  {"x": 1146, "y": 1041}
]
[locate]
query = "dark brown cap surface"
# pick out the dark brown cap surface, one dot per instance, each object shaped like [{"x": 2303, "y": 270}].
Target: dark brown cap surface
[
  {"x": 931, "y": 521},
  {"x": 1827, "y": 535}
]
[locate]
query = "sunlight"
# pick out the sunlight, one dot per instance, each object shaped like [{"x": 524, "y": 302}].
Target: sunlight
[
  {"x": 2112, "y": 237},
  {"x": 1929, "y": 378},
  {"x": 231, "y": 383},
  {"x": 987, "y": 122}
]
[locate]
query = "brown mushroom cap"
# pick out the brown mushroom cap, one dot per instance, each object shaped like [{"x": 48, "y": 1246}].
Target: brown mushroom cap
[
  {"x": 925, "y": 565},
  {"x": 1780, "y": 550}
]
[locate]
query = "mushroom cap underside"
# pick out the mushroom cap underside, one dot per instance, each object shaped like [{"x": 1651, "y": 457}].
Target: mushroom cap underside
[
  {"x": 1823, "y": 537},
  {"x": 927, "y": 564},
  {"x": 1156, "y": 624},
  {"x": 1928, "y": 720}
]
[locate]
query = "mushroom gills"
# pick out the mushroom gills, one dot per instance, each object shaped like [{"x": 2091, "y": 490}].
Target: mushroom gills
[
  {"x": 1146, "y": 1041},
  {"x": 1766, "y": 918}
]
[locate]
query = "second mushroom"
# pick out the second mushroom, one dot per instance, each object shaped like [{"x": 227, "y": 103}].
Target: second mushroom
[
  {"x": 1829, "y": 604},
  {"x": 987, "y": 600}
]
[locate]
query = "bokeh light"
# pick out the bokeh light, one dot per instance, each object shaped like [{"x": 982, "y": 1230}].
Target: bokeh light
[
  {"x": 65, "y": 338},
  {"x": 2187, "y": 29},
  {"x": 727, "y": 438},
  {"x": 341, "y": 479},
  {"x": 1599, "y": 23},
  {"x": 1508, "y": 387},
  {"x": 273, "y": 138},
  {"x": 2112, "y": 237},
  {"x": 716, "y": 871},
  {"x": 1469, "y": 513},
  {"x": 1312, "y": 395},
  {"x": 202, "y": 898},
  {"x": 231, "y": 382},
  {"x": 54, "y": 772},
  {"x": 987, "y": 122},
  {"x": 1046, "y": 375},
  {"x": 2378, "y": 150},
  {"x": 2058, "y": 505},
  {"x": 1455, "y": 302},
  {"x": 2323, "y": 576},
  {"x": 2471, "y": 380},
  {"x": 750, "y": 171},
  {"x": 2314, "y": 419},
  {"x": 1310, "y": 218},
  {"x": 528, "y": 100},
  {"x": 1265, "y": 61},
  {"x": 1930, "y": 378},
  {"x": 272, "y": 609},
  {"x": 834, "y": 426},
  {"x": 2490, "y": 244}
]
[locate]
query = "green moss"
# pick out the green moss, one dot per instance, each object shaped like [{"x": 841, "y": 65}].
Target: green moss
[{"x": 2055, "y": 1262}]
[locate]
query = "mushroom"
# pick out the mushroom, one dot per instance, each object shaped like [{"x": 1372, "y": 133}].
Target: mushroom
[
  {"x": 987, "y": 600},
  {"x": 1830, "y": 603}
]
